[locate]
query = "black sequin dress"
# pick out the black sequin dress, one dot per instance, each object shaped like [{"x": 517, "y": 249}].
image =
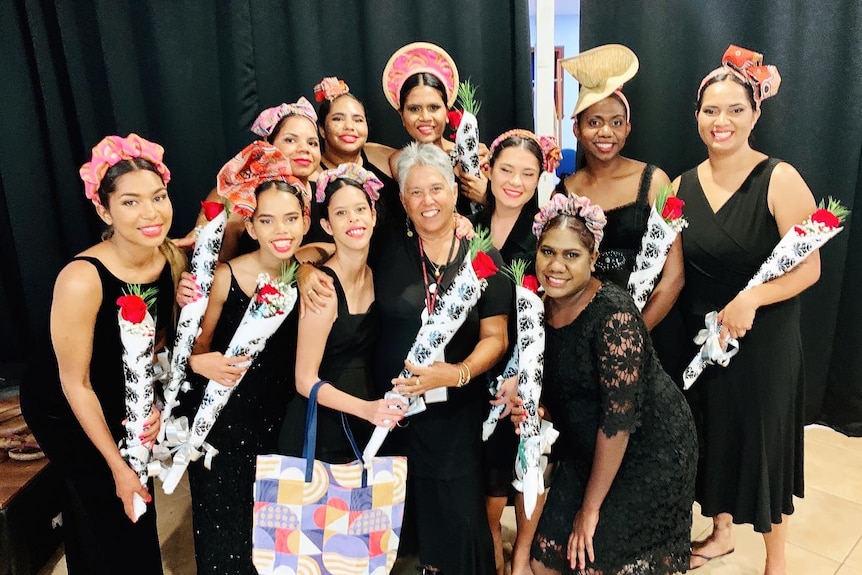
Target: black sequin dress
[
  {"x": 602, "y": 375},
  {"x": 248, "y": 426}
]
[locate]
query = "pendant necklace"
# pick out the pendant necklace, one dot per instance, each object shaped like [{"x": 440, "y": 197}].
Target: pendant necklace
[{"x": 431, "y": 287}]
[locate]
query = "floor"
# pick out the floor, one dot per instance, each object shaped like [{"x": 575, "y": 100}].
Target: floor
[{"x": 825, "y": 533}]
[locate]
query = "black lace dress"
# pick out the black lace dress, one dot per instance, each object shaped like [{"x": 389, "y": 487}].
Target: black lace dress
[
  {"x": 601, "y": 375},
  {"x": 247, "y": 427},
  {"x": 347, "y": 363}
]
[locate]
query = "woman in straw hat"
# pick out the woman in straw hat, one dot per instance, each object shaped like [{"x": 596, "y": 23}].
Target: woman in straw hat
[
  {"x": 739, "y": 203},
  {"x": 624, "y": 188}
]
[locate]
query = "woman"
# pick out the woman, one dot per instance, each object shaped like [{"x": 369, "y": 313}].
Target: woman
[
  {"x": 73, "y": 396},
  {"x": 739, "y": 203},
  {"x": 260, "y": 189},
  {"x": 621, "y": 495},
  {"x": 343, "y": 126},
  {"x": 337, "y": 345},
  {"x": 517, "y": 159},
  {"x": 421, "y": 82},
  {"x": 624, "y": 188}
]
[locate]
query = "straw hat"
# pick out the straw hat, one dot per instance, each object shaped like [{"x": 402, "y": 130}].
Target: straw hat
[
  {"x": 416, "y": 58},
  {"x": 600, "y": 72}
]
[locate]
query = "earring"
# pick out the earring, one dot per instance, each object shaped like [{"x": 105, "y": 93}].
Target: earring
[{"x": 409, "y": 231}]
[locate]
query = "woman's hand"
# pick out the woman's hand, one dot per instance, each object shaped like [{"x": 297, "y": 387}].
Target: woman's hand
[
  {"x": 507, "y": 395},
  {"x": 188, "y": 290},
  {"x": 151, "y": 427},
  {"x": 215, "y": 366},
  {"x": 386, "y": 412},
  {"x": 438, "y": 374},
  {"x": 315, "y": 288},
  {"x": 519, "y": 414},
  {"x": 463, "y": 227},
  {"x": 186, "y": 242},
  {"x": 737, "y": 317},
  {"x": 474, "y": 188},
  {"x": 127, "y": 484},
  {"x": 581, "y": 539}
]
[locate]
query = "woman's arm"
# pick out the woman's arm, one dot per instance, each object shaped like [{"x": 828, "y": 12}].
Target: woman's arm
[
  {"x": 213, "y": 364},
  {"x": 379, "y": 155},
  {"x": 667, "y": 290},
  {"x": 77, "y": 297},
  {"x": 790, "y": 202},
  {"x": 314, "y": 330},
  {"x": 493, "y": 341}
]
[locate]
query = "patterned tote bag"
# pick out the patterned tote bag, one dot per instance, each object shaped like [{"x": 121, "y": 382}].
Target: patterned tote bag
[{"x": 314, "y": 518}]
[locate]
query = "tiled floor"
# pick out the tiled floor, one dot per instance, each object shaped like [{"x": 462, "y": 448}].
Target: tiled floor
[{"x": 825, "y": 533}]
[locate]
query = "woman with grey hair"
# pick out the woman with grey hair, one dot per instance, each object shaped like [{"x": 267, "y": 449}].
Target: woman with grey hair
[{"x": 445, "y": 504}]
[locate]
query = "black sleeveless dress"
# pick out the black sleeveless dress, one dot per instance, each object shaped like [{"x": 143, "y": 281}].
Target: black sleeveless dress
[
  {"x": 347, "y": 363},
  {"x": 222, "y": 501},
  {"x": 602, "y": 375},
  {"x": 99, "y": 538},
  {"x": 749, "y": 414}
]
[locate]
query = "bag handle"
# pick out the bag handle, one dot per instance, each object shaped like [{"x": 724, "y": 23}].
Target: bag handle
[{"x": 310, "y": 446}]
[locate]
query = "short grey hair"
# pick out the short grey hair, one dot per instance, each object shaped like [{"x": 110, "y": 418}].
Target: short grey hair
[{"x": 415, "y": 154}]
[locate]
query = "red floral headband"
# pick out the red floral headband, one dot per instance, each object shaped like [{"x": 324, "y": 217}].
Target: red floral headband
[
  {"x": 548, "y": 144},
  {"x": 370, "y": 184},
  {"x": 257, "y": 163},
  {"x": 114, "y": 149},
  {"x": 330, "y": 88},
  {"x": 747, "y": 66}
]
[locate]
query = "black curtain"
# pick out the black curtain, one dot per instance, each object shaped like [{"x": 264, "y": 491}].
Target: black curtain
[
  {"x": 192, "y": 75},
  {"x": 815, "y": 123}
]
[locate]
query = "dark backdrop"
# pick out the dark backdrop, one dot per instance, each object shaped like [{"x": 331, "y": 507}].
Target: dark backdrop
[
  {"x": 192, "y": 75},
  {"x": 815, "y": 123}
]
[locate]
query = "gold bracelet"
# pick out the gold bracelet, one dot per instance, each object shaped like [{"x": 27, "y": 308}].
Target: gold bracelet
[{"x": 463, "y": 374}]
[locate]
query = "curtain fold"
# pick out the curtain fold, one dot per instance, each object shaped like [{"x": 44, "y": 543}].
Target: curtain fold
[{"x": 815, "y": 124}]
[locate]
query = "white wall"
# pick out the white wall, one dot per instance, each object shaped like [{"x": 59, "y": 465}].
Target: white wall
[{"x": 567, "y": 35}]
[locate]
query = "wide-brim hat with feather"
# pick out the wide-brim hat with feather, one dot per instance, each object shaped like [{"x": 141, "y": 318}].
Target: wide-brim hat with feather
[
  {"x": 600, "y": 72},
  {"x": 416, "y": 58}
]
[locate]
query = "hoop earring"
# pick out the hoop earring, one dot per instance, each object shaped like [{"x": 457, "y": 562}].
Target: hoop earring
[{"x": 409, "y": 230}]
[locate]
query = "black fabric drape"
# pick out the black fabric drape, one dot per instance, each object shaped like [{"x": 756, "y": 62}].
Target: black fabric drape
[
  {"x": 192, "y": 76},
  {"x": 814, "y": 123}
]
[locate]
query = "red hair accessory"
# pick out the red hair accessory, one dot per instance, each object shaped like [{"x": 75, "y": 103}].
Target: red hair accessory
[
  {"x": 548, "y": 144},
  {"x": 114, "y": 149},
  {"x": 747, "y": 66},
  {"x": 370, "y": 184},
  {"x": 329, "y": 89},
  {"x": 257, "y": 163}
]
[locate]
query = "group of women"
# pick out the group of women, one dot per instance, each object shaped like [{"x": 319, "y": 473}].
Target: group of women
[{"x": 380, "y": 236}]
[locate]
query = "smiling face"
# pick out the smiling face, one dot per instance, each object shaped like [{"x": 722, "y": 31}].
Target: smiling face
[
  {"x": 278, "y": 223},
  {"x": 424, "y": 115},
  {"x": 345, "y": 129},
  {"x": 139, "y": 208},
  {"x": 429, "y": 200},
  {"x": 602, "y": 129},
  {"x": 564, "y": 263},
  {"x": 350, "y": 219},
  {"x": 297, "y": 139},
  {"x": 514, "y": 177},
  {"x": 725, "y": 118}
]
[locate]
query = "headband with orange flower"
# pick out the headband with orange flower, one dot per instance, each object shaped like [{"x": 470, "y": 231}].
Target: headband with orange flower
[
  {"x": 350, "y": 171},
  {"x": 747, "y": 66},
  {"x": 268, "y": 119},
  {"x": 578, "y": 206},
  {"x": 548, "y": 144},
  {"x": 114, "y": 149},
  {"x": 330, "y": 88},
  {"x": 256, "y": 164}
]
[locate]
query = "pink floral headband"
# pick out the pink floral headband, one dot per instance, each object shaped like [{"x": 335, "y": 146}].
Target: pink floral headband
[
  {"x": 257, "y": 163},
  {"x": 114, "y": 149},
  {"x": 369, "y": 181},
  {"x": 747, "y": 66},
  {"x": 548, "y": 144},
  {"x": 579, "y": 206},
  {"x": 269, "y": 118},
  {"x": 330, "y": 88}
]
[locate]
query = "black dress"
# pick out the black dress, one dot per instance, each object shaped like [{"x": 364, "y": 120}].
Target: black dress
[
  {"x": 498, "y": 452},
  {"x": 99, "y": 537},
  {"x": 601, "y": 374},
  {"x": 443, "y": 443},
  {"x": 346, "y": 363},
  {"x": 749, "y": 414},
  {"x": 247, "y": 427}
]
